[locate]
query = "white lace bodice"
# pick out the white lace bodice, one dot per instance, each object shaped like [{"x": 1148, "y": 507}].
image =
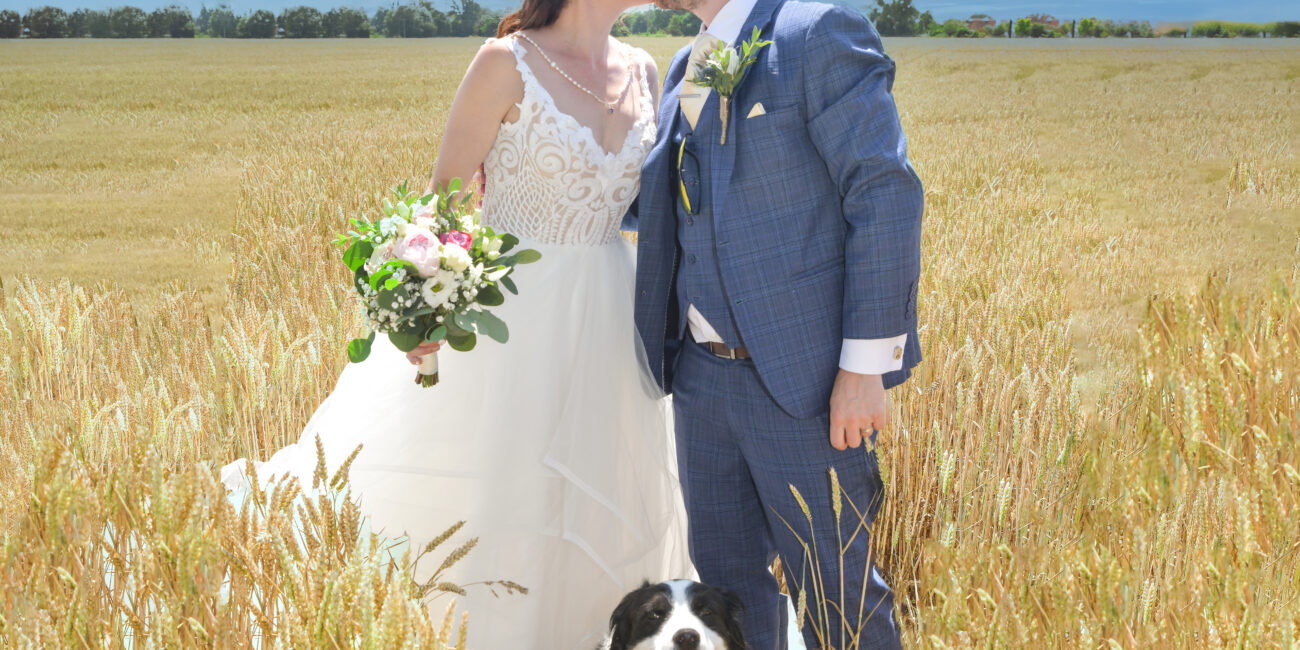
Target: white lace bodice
[{"x": 549, "y": 179}]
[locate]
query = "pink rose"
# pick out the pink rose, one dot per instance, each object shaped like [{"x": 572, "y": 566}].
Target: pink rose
[
  {"x": 462, "y": 239},
  {"x": 419, "y": 247}
]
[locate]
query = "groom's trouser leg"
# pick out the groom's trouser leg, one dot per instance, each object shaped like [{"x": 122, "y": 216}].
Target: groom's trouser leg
[
  {"x": 730, "y": 541},
  {"x": 777, "y": 451}
]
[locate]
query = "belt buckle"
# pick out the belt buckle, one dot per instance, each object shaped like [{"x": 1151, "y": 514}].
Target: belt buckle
[{"x": 731, "y": 354}]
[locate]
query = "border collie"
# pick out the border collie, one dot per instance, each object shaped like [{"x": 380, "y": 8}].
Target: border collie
[{"x": 676, "y": 615}]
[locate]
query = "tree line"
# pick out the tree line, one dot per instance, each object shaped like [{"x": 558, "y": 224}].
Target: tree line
[
  {"x": 901, "y": 18},
  {"x": 412, "y": 20}
]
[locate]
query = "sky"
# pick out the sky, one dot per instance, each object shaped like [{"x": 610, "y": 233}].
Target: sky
[{"x": 1155, "y": 11}]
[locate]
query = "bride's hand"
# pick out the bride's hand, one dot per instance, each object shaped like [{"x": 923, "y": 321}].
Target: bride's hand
[{"x": 421, "y": 350}]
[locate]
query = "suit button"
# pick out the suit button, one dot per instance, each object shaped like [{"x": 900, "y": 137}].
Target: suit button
[
  {"x": 643, "y": 294},
  {"x": 690, "y": 221},
  {"x": 692, "y": 259},
  {"x": 898, "y": 352}
]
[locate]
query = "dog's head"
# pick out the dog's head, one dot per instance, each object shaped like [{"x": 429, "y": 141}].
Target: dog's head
[{"x": 677, "y": 615}]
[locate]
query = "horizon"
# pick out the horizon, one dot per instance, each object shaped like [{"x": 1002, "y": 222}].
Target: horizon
[{"x": 1157, "y": 11}]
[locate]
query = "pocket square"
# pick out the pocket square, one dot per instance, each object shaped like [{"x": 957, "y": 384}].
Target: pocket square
[{"x": 756, "y": 111}]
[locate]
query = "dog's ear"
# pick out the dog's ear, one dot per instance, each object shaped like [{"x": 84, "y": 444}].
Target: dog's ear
[
  {"x": 620, "y": 623},
  {"x": 734, "y": 634}
]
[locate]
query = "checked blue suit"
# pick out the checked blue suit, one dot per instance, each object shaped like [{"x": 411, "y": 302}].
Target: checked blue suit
[{"x": 808, "y": 232}]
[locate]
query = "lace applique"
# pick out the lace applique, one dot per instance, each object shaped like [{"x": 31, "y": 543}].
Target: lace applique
[{"x": 549, "y": 179}]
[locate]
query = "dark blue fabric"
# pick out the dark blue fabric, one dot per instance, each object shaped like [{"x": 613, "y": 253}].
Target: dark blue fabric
[
  {"x": 738, "y": 454},
  {"x": 815, "y": 209},
  {"x": 699, "y": 280}
]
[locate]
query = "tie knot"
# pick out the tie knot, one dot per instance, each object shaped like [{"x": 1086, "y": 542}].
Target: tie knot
[{"x": 703, "y": 45}]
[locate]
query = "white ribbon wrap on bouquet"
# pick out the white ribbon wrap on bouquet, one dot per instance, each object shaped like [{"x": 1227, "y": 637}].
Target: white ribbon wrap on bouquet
[{"x": 429, "y": 365}]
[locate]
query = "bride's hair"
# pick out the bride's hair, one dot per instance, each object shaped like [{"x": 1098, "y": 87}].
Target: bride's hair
[{"x": 534, "y": 14}]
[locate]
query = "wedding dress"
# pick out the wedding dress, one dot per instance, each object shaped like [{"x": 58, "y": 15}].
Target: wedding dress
[{"x": 556, "y": 447}]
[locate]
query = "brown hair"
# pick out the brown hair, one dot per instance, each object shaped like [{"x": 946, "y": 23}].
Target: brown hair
[{"x": 534, "y": 14}]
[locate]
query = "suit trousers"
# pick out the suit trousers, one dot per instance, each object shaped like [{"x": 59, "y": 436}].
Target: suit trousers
[{"x": 738, "y": 455}]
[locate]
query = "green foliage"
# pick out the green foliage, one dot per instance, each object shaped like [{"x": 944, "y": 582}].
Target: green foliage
[
  {"x": 1174, "y": 32},
  {"x": 11, "y": 24},
  {"x": 899, "y": 18},
  {"x": 171, "y": 21},
  {"x": 954, "y": 29},
  {"x": 1286, "y": 29},
  {"x": 128, "y": 22},
  {"x": 259, "y": 24},
  {"x": 220, "y": 22},
  {"x": 1225, "y": 29},
  {"x": 46, "y": 22},
  {"x": 302, "y": 22},
  {"x": 344, "y": 22}
]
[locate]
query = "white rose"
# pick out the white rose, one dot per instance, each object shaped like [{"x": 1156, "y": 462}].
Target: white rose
[{"x": 456, "y": 258}]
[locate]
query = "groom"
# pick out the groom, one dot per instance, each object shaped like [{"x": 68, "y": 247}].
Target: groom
[{"x": 776, "y": 299}]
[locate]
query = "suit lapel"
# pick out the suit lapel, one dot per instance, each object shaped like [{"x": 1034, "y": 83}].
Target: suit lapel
[
  {"x": 655, "y": 176},
  {"x": 724, "y": 156}
]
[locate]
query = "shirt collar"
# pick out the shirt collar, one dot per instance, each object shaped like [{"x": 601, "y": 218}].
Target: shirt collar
[{"x": 726, "y": 25}]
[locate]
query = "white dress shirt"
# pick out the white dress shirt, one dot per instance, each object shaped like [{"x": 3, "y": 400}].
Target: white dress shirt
[{"x": 862, "y": 356}]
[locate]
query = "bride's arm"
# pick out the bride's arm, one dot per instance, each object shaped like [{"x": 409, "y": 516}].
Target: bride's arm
[{"x": 486, "y": 97}]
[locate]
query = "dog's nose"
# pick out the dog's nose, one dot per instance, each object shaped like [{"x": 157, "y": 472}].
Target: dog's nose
[{"x": 686, "y": 640}]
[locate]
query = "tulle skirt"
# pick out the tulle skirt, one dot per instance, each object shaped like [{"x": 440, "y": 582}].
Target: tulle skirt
[{"x": 555, "y": 448}]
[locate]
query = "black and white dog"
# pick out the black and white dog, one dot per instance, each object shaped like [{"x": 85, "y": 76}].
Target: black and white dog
[{"x": 676, "y": 615}]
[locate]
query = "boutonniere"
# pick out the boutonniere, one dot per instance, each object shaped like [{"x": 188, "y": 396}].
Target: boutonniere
[{"x": 723, "y": 70}]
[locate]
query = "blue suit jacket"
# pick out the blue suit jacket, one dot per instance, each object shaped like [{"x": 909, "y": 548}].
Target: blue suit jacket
[{"x": 817, "y": 212}]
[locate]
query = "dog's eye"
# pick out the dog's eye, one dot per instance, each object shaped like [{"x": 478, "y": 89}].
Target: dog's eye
[
  {"x": 656, "y": 614},
  {"x": 706, "y": 612}
]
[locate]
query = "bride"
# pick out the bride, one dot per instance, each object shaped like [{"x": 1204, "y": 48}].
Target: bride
[{"x": 556, "y": 447}]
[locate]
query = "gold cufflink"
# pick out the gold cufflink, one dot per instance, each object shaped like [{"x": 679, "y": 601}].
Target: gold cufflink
[{"x": 898, "y": 352}]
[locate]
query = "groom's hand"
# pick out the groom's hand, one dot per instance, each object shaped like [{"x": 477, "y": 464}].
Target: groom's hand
[{"x": 859, "y": 404}]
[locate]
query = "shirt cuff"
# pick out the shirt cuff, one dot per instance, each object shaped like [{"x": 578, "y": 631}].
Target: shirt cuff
[{"x": 873, "y": 356}]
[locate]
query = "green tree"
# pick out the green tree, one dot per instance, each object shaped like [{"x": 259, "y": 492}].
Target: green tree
[
  {"x": 259, "y": 24},
  {"x": 79, "y": 23},
  {"x": 128, "y": 22},
  {"x": 409, "y": 21},
  {"x": 1000, "y": 29},
  {"x": 683, "y": 24},
  {"x": 895, "y": 18},
  {"x": 46, "y": 22},
  {"x": 1088, "y": 28},
  {"x": 347, "y": 23},
  {"x": 171, "y": 21},
  {"x": 222, "y": 23},
  {"x": 301, "y": 22},
  {"x": 1023, "y": 26},
  {"x": 11, "y": 24},
  {"x": 99, "y": 24},
  {"x": 1286, "y": 29}
]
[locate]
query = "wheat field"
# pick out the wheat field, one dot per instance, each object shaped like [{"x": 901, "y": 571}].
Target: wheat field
[{"x": 1100, "y": 450}]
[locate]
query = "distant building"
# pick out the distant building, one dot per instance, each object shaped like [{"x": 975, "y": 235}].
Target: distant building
[
  {"x": 980, "y": 21},
  {"x": 1046, "y": 20}
]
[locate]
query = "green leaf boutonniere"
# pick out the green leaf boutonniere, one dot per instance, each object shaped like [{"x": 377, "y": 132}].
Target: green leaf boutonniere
[{"x": 724, "y": 69}]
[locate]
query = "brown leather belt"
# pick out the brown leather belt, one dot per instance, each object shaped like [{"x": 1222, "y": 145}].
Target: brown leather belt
[{"x": 722, "y": 351}]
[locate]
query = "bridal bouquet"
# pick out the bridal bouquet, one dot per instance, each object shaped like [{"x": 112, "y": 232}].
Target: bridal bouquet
[{"x": 426, "y": 271}]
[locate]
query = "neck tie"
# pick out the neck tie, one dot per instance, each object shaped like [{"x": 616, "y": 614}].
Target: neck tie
[{"x": 692, "y": 97}]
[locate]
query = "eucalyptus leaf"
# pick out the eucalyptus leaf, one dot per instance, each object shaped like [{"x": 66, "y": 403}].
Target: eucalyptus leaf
[
  {"x": 359, "y": 349},
  {"x": 490, "y": 296},
  {"x": 436, "y": 334},
  {"x": 357, "y": 254},
  {"x": 509, "y": 285},
  {"x": 463, "y": 342},
  {"x": 527, "y": 256},
  {"x": 508, "y": 241},
  {"x": 494, "y": 327},
  {"x": 404, "y": 341}
]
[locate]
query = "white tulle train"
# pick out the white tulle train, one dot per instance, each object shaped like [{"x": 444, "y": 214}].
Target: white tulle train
[{"x": 555, "y": 448}]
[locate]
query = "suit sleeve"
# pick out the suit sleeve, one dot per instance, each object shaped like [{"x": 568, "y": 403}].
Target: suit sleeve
[
  {"x": 630, "y": 217},
  {"x": 854, "y": 124}
]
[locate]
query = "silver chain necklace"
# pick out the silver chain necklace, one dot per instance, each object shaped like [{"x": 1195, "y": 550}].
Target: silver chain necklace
[{"x": 610, "y": 105}]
